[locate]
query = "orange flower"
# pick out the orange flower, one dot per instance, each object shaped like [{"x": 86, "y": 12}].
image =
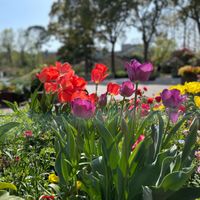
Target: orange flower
[
  {"x": 51, "y": 87},
  {"x": 65, "y": 68},
  {"x": 64, "y": 95},
  {"x": 113, "y": 88},
  {"x": 79, "y": 95},
  {"x": 99, "y": 73},
  {"x": 93, "y": 97},
  {"x": 79, "y": 82},
  {"x": 48, "y": 74}
]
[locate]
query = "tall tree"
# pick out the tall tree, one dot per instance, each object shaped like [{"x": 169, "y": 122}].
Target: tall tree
[
  {"x": 73, "y": 23},
  {"x": 146, "y": 15},
  {"x": 7, "y": 44},
  {"x": 112, "y": 16},
  {"x": 190, "y": 9}
]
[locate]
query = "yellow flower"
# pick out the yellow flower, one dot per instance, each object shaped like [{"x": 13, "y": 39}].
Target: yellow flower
[
  {"x": 192, "y": 87},
  {"x": 197, "y": 101},
  {"x": 179, "y": 87},
  {"x": 159, "y": 107},
  {"x": 188, "y": 69},
  {"x": 53, "y": 178},
  {"x": 78, "y": 185}
]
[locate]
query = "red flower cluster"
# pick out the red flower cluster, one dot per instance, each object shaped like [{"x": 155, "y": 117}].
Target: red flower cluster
[
  {"x": 99, "y": 73},
  {"x": 61, "y": 79}
]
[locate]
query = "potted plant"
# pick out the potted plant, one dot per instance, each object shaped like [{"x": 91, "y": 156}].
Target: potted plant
[{"x": 189, "y": 73}]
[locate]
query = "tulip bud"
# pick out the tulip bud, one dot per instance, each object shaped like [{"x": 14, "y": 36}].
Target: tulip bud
[
  {"x": 103, "y": 100},
  {"x": 83, "y": 108},
  {"x": 127, "y": 89},
  {"x": 137, "y": 71}
]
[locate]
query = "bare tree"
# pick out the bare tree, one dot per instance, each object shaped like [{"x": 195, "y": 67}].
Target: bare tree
[{"x": 146, "y": 15}]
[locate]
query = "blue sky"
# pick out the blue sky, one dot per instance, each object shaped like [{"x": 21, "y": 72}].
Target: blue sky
[
  {"x": 20, "y": 14},
  {"x": 23, "y": 13}
]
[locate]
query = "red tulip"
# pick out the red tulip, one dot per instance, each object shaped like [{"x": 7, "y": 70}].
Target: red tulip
[
  {"x": 64, "y": 95},
  {"x": 158, "y": 99},
  {"x": 150, "y": 100},
  {"x": 140, "y": 139},
  {"x": 79, "y": 95},
  {"x": 79, "y": 83},
  {"x": 50, "y": 87},
  {"x": 48, "y": 74},
  {"x": 64, "y": 68},
  {"x": 113, "y": 88},
  {"x": 99, "y": 73}
]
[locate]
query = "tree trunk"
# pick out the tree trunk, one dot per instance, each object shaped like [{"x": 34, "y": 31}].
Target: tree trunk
[
  {"x": 184, "y": 33},
  {"x": 86, "y": 67},
  {"x": 198, "y": 26},
  {"x": 146, "y": 50},
  {"x": 9, "y": 51},
  {"x": 113, "y": 60}
]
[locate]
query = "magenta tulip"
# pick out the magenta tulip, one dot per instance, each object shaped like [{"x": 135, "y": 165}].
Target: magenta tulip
[
  {"x": 127, "y": 89},
  {"x": 103, "y": 100},
  {"x": 83, "y": 108},
  {"x": 172, "y": 100},
  {"x": 137, "y": 71}
]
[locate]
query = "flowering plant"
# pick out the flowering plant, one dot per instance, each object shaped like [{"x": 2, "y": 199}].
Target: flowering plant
[
  {"x": 188, "y": 70},
  {"x": 108, "y": 148}
]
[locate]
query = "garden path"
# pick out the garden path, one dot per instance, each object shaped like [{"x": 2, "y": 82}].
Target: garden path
[{"x": 154, "y": 87}]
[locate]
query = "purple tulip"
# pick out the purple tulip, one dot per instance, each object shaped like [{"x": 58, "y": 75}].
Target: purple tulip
[
  {"x": 103, "y": 100},
  {"x": 83, "y": 108},
  {"x": 127, "y": 89},
  {"x": 137, "y": 71},
  {"x": 172, "y": 99}
]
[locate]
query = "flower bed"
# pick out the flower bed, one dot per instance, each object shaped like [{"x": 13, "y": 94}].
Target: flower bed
[{"x": 69, "y": 144}]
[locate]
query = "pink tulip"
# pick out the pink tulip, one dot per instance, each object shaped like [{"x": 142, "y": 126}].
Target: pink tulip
[
  {"x": 137, "y": 71},
  {"x": 127, "y": 89},
  {"x": 83, "y": 108}
]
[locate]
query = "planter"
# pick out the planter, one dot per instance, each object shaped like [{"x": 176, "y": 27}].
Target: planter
[
  {"x": 11, "y": 97},
  {"x": 189, "y": 77}
]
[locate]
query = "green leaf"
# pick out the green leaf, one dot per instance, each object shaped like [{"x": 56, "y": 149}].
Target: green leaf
[
  {"x": 160, "y": 133},
  {"x": 4, "y": 185},
  {"x": 147, "y": 193},
  {"x": 165, "y": 168},
  {"x": 6, "y": 127},
  {"x": 98, "y": 165},
  {"x": 104, "y": 133},
  {"x": 175, "y": 129},
  {"x": 4, "y": 195},
  {"x": 186, "y": 194},
  {"x": 175, "y": 180},
  {"x": 13, "y": 106},
  {"x": 190, "y": 140},
  {"x": 145, "y": 122}
]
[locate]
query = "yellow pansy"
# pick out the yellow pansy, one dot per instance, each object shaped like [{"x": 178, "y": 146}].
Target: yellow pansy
[
  {"x": 53, "y": 178},
  {"x": 78, "y": 185},
  {"x": 192, "y": 87},
  {"x": 179, "y": 87},
  {"x": 159, "y": 107},
  {"x": 197, "y": 101}
]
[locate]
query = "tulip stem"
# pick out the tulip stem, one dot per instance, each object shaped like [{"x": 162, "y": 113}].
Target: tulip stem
[
  {"x": 96, "y": 88},
  {"x": 134, "y": 111},
  {"x": 123, "y": 101}
]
